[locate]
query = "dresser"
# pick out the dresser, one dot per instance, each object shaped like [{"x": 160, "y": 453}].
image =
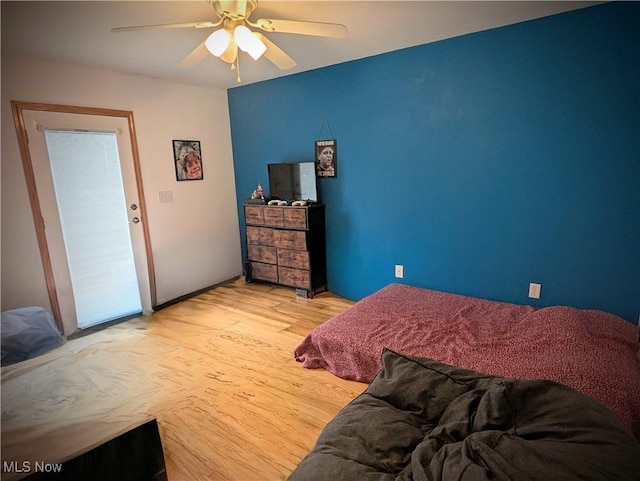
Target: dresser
[{"x": 286, "y": 245}]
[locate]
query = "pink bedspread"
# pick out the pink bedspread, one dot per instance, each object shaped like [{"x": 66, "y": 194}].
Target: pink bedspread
[{"x": 591, "y": 351}]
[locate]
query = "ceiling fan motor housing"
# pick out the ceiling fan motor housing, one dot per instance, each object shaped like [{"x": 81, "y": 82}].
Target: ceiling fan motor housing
[{"x": 234, "y": 9}]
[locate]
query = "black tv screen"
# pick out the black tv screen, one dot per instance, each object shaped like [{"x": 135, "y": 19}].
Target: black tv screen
[{"x": 293, "y": 181}]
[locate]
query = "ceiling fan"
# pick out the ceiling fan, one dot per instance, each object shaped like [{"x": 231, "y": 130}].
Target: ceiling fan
[{"x": 234, "y": 33}]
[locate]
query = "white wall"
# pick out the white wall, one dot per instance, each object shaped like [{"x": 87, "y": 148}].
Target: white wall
[{"x": 195, "y": 240}]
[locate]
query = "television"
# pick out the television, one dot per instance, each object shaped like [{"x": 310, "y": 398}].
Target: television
[{"x": 293, "y": 181}]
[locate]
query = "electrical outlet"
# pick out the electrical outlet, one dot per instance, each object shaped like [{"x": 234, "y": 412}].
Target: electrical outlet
[
  {"x": 399, "y": 271},
  {"x": 534, "y": 290}
]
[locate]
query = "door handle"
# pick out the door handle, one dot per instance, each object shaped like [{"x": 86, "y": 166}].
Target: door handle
[{"x": 135, "y": 220}]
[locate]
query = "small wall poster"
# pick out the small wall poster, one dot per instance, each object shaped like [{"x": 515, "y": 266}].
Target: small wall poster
[
  {"x": 326, "y": 155},
  {"x": 187, "y": 158}
]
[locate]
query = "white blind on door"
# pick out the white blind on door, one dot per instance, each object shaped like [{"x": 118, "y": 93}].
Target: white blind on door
[{"x": 93, "y": 213}]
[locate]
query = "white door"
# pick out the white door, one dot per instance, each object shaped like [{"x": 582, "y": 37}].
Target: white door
[{"x": 86, "y": 184}]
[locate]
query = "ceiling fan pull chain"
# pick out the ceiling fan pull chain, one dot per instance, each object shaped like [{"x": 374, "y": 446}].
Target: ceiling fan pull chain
[
  {"x": 238, "y": 67},
  {"x": 325, "y": 121}
]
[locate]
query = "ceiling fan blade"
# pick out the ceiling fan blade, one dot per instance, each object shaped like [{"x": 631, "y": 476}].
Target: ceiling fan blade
[
  {"x": 167, "y": 25},
  {"x": 275, "y": 54},
  {"x": 196, "y": 56},
  {"x": 319, "y": 29}
]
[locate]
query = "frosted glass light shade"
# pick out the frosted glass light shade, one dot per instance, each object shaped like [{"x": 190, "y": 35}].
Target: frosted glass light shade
[
  {"x": 218, "y": 42},
  {"x": 230, "y": 53},
  {"x": 248, "y": 42}
]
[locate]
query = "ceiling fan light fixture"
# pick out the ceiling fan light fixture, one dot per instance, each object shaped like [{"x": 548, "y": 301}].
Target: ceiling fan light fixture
[
  {"x": 248, "y": 42},
  {"x": 218, "y": 42},
  {"x": 231, "y": 53}
]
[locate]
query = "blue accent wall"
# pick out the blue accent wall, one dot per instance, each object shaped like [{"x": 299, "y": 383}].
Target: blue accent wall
[{"x": 481, "y": 163}]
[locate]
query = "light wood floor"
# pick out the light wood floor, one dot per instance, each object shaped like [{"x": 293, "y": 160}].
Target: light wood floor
[{"x": 217, "y": 371}]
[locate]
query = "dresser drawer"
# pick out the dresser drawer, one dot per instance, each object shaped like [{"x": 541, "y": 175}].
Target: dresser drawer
[
  {"x": 274, "y": 216},
  {"x": 260, "y": 235},
  {"x": 295, "y": 218},
  {"x": 290, "y": 239},
  {"x": 266, "y": 272},
  {"x": 291, "y": 258},
  {"x": 294, "y": 277},
  {"x": 266, "y": 254},
  {"x": 254, "y": 214}
]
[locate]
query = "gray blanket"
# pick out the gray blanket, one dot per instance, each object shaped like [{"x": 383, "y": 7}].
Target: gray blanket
[{"x": 423, "y": 420}]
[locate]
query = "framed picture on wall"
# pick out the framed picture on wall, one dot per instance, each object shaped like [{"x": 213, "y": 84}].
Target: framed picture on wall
[
  {"x": 326, "y": 155},
  {"x": 187, "y": 159}
]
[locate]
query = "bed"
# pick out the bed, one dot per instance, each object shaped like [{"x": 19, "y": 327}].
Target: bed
[{"x": 467, "y": 388}]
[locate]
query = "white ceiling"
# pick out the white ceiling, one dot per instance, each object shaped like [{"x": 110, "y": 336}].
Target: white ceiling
[{"x": 79, "y": 32}]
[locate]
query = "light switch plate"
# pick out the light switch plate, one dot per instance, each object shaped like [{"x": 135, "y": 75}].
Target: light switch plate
[{"x": 165, "y": 196}]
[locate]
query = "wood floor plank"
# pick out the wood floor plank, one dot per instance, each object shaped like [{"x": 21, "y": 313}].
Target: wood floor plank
[{"x": 217, "y": 372}]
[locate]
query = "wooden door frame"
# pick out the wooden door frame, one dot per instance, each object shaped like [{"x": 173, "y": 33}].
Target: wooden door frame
[{"x": 18, "y": 109}]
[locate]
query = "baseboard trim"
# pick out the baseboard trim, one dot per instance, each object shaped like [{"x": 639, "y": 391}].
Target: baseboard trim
[{"x": 185, "y": 297}]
